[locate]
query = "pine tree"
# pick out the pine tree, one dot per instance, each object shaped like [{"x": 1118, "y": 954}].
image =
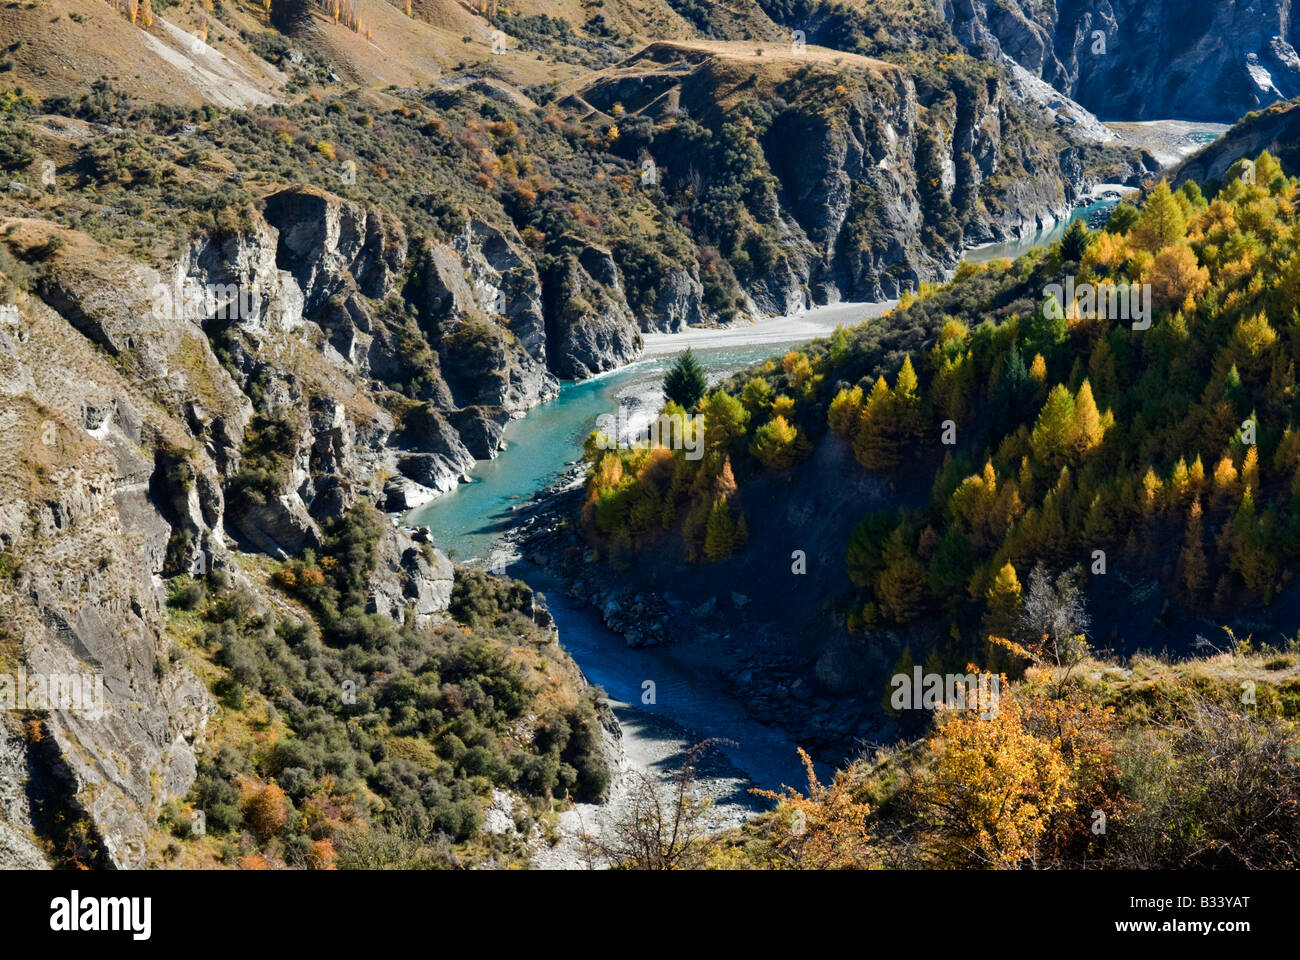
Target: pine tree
[
  {"x": 724, "y": 487},
  {"x": 1268, "y": 173},
  {"x": 1250, "y": 556},
  {"x": 1191, "y": 561},
  {"x": 907, "y": 400},
  {"x": 1075, "y": 242},
  {"x": 950, "y": 391},
  {"x": 725, "y": 421},
  {"x": 1086, "y": 427},
  {"x": 1101, "y": 371},
  {"x": 1038, "y": 369},
  {"x": 1002, "y": 602},
  {"x": 874, "y": 445},
  {"x": 844, "y": 411},
  {"x": 950, "y": 568},
  {"x": 1047, "y": 329},
  {"x": 1225, "y": 480},
  {"x": 775, "y": 444},
  {"x": 685, "y": 383},
  {"x": 719, "y": 532},
  {"x": 1052, "y": 438},
  {"x": 1250, "y": 467},
  {"x": 1012, "y": 398},
  {"x": 1152, "y": 492},
  {"x": 757, "y": 395},
  {"x": 1181, "y": 482},
  {"x": 975, "y": 503},
  {"x": 1161, "y": 221},
  {"x": 1049, "y": 529},
  {"x": 900, "y": 587}
]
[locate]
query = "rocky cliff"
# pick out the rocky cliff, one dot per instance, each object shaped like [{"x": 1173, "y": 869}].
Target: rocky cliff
[
  {"x": 1276, "y": 130},
  {"x": 127, "y": 472},
  {"x": 826, "y": 177},
  {"x": 1128, "y": 60},
  {"x": 215, "y": 342}
]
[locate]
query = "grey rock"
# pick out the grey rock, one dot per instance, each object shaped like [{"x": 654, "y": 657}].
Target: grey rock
[
  {"x": 1218, "y": 62},
  {"x": 325, "y": 239},
  {"x": 591, "y": 327},
  {"x": 706, "y": 608},
  {"x": 410, "y": 578}
]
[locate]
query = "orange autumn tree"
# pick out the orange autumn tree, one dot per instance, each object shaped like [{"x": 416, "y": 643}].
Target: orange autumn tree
[
  {"x": 825, "y": 829},
  {"x": 1176, "y": 277},
  {"x": 266, "y": 810},
  {"x": 992, "y": 787}
]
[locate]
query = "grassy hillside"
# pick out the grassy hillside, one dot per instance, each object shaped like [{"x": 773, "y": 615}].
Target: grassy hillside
[
  {"x": 1140, "y": 765},
  {"x": 345, "y": 740}
]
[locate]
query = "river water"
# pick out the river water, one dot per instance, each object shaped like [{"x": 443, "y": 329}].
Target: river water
[
  {"x": 1039, "y": 238},
  {"x": 691, "y": 703}
]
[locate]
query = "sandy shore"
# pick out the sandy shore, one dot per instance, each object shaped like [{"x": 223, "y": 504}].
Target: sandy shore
[{"x": 817, "y": 322}]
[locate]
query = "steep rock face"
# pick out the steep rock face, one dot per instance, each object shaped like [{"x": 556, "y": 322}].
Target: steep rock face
[
  {"x": 481, "y": 430},
  {"x": 1124, "y": 59},
  {"x": 504, "y": 283},
  {"x": 18, "y": 848},
  {"x": 441, "y": 462},
  {"x": 312, "y": 299},
  {"x": 590, "y": 326},
  {"x": 1276, "y": 130},
  {"x": 411, "y": 578},
  {"x": 323, "y": 240},
  {"x": 482, "y": 320},
  {"x": 860, "y": 178},
  {"x": 87, "y": 544},
  {"x": 148, "y": 321},
  {"x": 853, "y": 162},
  {"x": 339, "y": 254},
  {"x": 128, "y": 469},
  {"x": 235, "y": 288},
  {"x": 679, "y": 303}
]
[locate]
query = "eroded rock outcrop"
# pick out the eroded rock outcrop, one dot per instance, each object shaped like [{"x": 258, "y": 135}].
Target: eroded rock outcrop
[
  {"x": 412, "y": 578},
  {"x": 590, "y": 327},
  {"x": 85, "y": 545},
  {"x": 1194, "y": 60}
]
